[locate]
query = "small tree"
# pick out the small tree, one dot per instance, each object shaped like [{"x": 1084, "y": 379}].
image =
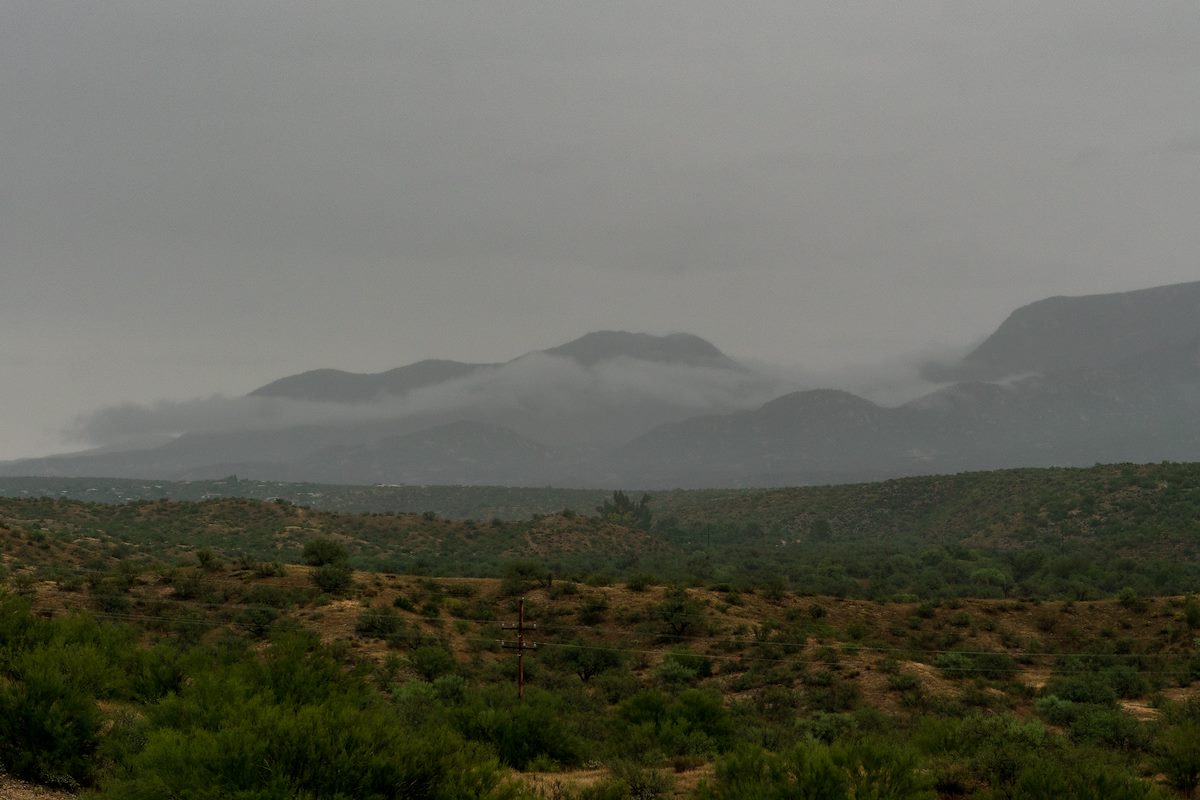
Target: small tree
[
  {"x": 319, "y": 552},
  {"x": 589, "y": 660},
  {"x": 622, "y": 510},
  {"x": 208, "y": 560},
  {"x": 519, "y": 576},
  {"x": 681, "y": 613}
]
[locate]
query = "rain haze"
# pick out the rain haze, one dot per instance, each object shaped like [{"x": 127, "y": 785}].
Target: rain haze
[{"x": 197, "y": 199}]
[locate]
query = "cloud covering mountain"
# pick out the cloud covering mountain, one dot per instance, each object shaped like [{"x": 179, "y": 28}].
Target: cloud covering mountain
[
  {"x": 1068, "y": 381},
  {"x": 602, "y": 387}
]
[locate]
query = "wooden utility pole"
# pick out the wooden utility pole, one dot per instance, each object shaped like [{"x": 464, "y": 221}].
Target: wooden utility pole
[{"x": 520, "y": 645}]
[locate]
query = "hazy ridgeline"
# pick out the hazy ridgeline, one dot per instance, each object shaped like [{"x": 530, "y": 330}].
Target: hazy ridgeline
[{"x": 1062, "y": 382}]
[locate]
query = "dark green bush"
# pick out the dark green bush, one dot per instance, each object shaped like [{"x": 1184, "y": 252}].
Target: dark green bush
[
  {"x": 1092, "y": 688},
  {"x": 334, "y": 748},
  {"x": 1179, "y": 756},
  {"x": 432, "y": 661},
  {"x": 49, "y": 721},
  {"x": 323, "y": 551},
  {"x": 814, "y": 771},
  {"x": 333, "y": 578},
  {"x": 380, "y": 622},
  {"x": 257, "y": 620},
  {"x": 538, "y": 730},
  {"x": 587, "y": 660}
]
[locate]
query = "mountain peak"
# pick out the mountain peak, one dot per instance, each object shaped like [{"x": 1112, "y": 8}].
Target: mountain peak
[
  {"x": 818, "y": 403},
  {"x": 674, "y": 348}
]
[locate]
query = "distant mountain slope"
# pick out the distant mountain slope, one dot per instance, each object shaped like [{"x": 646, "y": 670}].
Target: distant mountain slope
[
  {"x": 520, "y": 422},
  {"x": 458, "y": 453},
  {"x": 1100, "y": 379},
  {"x": 1143, "y": 410},
  {"x": 803, "y": 437},
  {"x": 336, "y": 386},
  {"x": 1087, "y": 332}
]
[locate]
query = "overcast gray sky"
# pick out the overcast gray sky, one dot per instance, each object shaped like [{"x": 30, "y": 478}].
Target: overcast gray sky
[{"x": 197, "y": 198}]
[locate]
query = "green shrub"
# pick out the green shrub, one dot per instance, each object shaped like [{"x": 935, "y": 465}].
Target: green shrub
[
  {"x": 1179, "y": 756},
  {"x": 49, "y": 721},
  {"x": 996, "y": 666},
  {"x": 333, "y": 578},
  {"x": 1191, "y": 613},
  {"x": 519, "y": 577},
  {"x": 641, "y": 783},
  {"x": 432, "y": 661},
  {"x": 335, "y": 748},
  {"x": 1109, "y": 728},
  {"x": 380, "y": 622},
  {"x": 208, "y": 560},
  {"x": 323, "y": 551},
  {"x": 538, "y": 730},
  {"x": 815, "y": 771},
  {"x": 268, "y": 569},
  {"x": 640, "y": 581},
  {"x": 588, "y": 660},
  {"x": 1093, "y": 688},
  {"x": 699, "y": 665},
  {"x": 904, "y": 682},
  {"x": 257, "y": 620},
  {"x": 682, "y": 614},
  {"x": 1129, "y": 598},
  {"x": 593, "y": 609},
  {"x": 675, "y": 673}
]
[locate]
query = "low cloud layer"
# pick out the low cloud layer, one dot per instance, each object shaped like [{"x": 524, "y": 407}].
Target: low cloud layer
[{"x": 553, "y": 390}]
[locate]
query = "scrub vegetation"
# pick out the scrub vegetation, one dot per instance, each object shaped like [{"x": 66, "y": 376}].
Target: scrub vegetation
[{"x": 956, "y": 647}]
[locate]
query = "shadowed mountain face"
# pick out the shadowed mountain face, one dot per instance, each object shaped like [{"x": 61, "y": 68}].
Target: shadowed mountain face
[
  {"x": 453, "y": 454},
  {"x": 1066, "y": 381},
  {"x": 1091, "y": 332}
]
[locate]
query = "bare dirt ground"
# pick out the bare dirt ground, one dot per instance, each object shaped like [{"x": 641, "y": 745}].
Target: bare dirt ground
[
  {"x": 13, "y": 789},
  {"x": 553, "y": 785}
]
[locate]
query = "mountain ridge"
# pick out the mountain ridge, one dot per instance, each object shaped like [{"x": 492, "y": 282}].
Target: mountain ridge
[
  {"x": 1062, "y": 382},
  {"x": 1088, "y": 331},
  {"x": 335, "y": 385}
]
